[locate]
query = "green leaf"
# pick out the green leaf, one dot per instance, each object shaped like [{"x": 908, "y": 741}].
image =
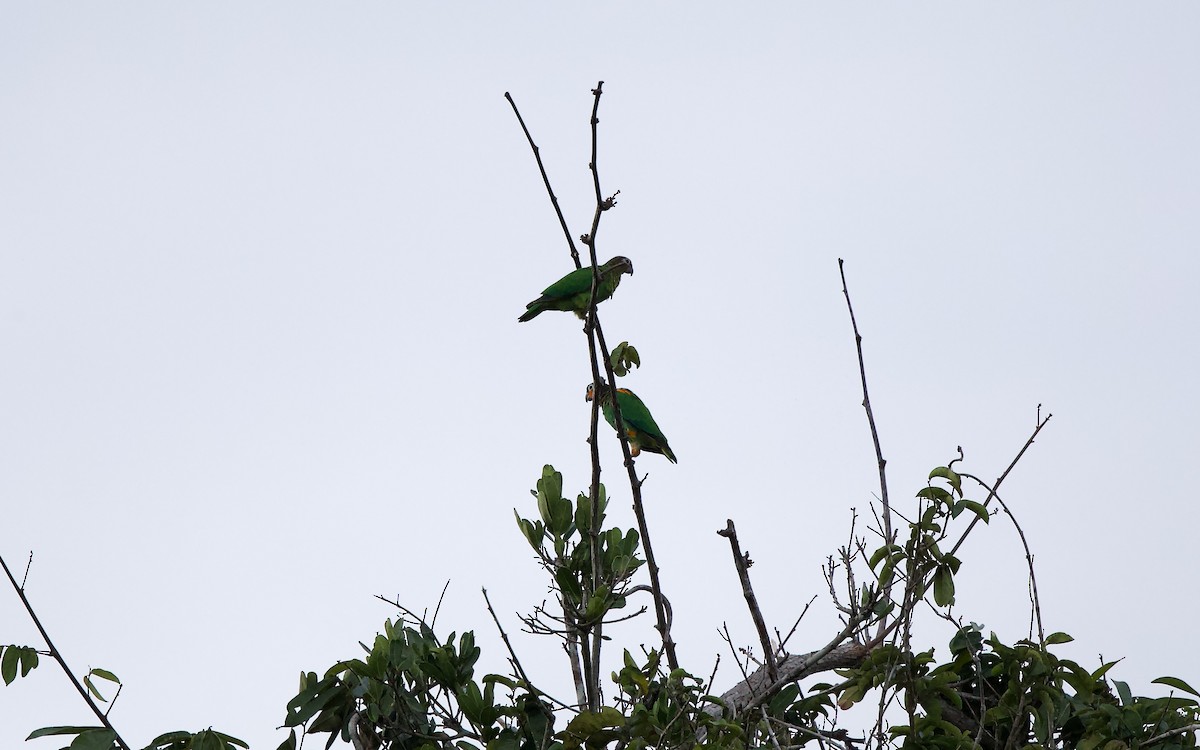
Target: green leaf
[
  {"x": 1103, "y": 670},
  {"x": 50, "y": 731},
  {"x": 784, "y": 698},
  {"x": 943, "y": 587},
  {"x": 29, "y": 659},
  {"x": 87, "y": 682},
  {"x": 170, "y": 739},
  {"x": 228, "y": 740},
  {"x": 549, "y": 495},
  {"x": 851, "y": 695},
  {"x": 1056, "y": 638},
  {"x": 594, "y": 729},
  {"x": 935, "y": 494},
  {"x": 623, "y": 358},
  {"x": 534, "y": 533},
  {"x": 568, "y": 585},
  {"x": 1176, "y": 683},
  {"x": 289, "y": 743},
  {"x": 8, "y": 665},
  {"x": 583, "y": 512},
  {"x": 977, "y": 508},
  {"x": 950, "y": 476},
  {"x": 1123, "y": 691},
  {"x": 883, "y": 552},
  {"x": 105, "y": 675},
  {"x": 207, "y": 740},
  {"x": 99, "y": 738}
]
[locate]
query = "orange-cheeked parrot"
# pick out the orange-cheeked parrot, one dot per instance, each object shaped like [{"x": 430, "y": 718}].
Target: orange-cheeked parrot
[
  {"x": 572, "y": 292},
  {"x": 643, "y": 432}
]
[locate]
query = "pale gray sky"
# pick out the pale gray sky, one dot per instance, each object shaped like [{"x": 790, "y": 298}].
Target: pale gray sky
[{"x": 261, "y": 263}]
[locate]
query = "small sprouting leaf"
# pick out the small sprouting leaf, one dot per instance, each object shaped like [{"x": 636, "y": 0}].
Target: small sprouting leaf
[
  {"x": 1178, "y": 684},
  {"x": 87, "y": 682},
  {"x": 623, "y": 358}
]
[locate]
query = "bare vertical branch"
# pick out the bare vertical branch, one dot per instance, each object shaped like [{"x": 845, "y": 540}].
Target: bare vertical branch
[
  {"x": 862, "y": 371},
  {"x": 593, "y": 434},
  {"x": 742, "y": 563},
  {"x": 888, "y": 534},
  {"x": 593, "y": 328}
]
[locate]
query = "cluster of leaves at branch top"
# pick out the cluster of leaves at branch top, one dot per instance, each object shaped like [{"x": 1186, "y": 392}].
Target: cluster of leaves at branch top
[{"x": 556, "y": 538}]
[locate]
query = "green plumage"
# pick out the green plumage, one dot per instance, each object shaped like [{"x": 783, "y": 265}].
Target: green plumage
[
  {"x": 572, "y": 292},
  {"x": 643, "y": 432}
]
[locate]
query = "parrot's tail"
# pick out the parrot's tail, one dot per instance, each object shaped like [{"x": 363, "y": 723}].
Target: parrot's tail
[{"x": 530, "y": 314}]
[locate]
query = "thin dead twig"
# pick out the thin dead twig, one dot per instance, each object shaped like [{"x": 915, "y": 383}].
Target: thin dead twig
[
  {"x": 742, "y": 563},
  {"x": 889, "y": 536}
]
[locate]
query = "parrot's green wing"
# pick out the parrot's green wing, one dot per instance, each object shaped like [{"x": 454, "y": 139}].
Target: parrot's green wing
[
  {"x": 572, "y": 292},
  {"x": 576, "y": 282},
  {"x": 648, "y": 435}
]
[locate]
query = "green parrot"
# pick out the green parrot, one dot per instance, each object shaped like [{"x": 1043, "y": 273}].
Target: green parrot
[
  {"x": 572, "y": 292},
  {"x": 643, "y": 432}
]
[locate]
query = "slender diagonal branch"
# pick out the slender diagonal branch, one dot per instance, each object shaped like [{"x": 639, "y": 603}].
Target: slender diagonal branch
[
  {"x": 516, "y": 662},
  {"x": 996, "y": 487},
  {"x": 742, "y": 563},
  {"x": 537, "y": 154},
  {"x": 58, "y": 657}
]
